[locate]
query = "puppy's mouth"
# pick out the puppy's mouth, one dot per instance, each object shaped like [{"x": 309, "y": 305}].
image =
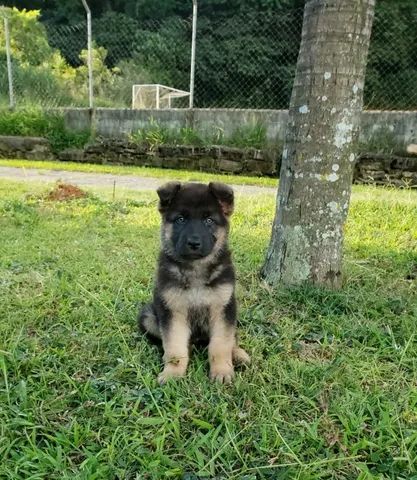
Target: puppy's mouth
[{"x": 193, "y": 255}]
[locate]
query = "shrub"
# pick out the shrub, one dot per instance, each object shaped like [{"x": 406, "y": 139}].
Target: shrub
[{"x": 34, "y": 122}]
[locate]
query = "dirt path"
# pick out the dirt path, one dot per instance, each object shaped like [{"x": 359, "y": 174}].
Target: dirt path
[{"x": 130, "y": 182}]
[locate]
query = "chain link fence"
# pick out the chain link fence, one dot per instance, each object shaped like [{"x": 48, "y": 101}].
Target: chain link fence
[
  {"x": 391, "y": 75},
  {"x": 247, "y": 61},
  {"x": 47, "y": 69}
]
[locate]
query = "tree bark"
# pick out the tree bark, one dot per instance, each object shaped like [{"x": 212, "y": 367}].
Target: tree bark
[{"x": 319, "y": 152}]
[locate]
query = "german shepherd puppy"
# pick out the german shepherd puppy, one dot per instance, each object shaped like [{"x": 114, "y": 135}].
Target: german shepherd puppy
[{"x": 194, "y": 296}]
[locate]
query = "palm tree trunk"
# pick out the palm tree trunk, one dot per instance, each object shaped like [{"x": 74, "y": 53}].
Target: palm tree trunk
[{"x": 319, "y": 151}]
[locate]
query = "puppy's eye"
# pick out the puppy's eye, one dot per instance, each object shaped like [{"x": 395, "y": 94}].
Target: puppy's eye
[
  {"x": 180, "y": 219},
  {"x": 209, "y": 221}
]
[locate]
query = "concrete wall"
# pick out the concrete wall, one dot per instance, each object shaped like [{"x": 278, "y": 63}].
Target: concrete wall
[
  {"x": 370, "y": 168},
  {"x": 401, "y": 126},
  {"x": 394, "y": 127}
]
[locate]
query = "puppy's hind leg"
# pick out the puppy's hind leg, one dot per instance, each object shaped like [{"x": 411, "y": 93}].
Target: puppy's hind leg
[{"x": 147, "y": 322}]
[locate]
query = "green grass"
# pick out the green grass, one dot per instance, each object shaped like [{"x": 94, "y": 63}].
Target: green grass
[
  {"x": 182, "y": 175},
  {"x": 331, "y": 393}
]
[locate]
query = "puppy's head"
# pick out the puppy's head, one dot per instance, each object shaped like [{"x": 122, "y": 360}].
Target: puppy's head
[{"x": 195, "y": 218}]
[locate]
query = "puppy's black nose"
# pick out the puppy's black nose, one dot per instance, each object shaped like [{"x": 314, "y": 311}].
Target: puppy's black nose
[{"x": 194, "y": 243}]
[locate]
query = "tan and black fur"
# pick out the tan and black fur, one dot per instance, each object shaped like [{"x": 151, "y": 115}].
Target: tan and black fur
[{"x": 194, "y": 296}]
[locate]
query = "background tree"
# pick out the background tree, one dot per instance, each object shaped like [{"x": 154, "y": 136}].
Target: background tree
[
  {"x": 247, "y": 49},
  {"x": 37, "y": 67},
  {"x": 392, "y": 63},
  {"x": 318, "y": 156}
]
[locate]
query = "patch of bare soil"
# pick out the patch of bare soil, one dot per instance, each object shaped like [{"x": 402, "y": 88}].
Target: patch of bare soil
[{"x": 65, "y": 191}]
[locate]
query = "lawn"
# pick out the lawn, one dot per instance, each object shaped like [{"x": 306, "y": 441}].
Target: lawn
[{"x": 331, "y": 392}]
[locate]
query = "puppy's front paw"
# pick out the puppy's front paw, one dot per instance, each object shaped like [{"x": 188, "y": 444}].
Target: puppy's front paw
[
  {"x": 222, "y": 373},
  {"x": 170, "y": 371}
]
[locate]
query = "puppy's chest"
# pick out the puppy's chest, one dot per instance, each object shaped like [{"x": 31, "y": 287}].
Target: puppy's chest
[{"x": 193, "y": 289}]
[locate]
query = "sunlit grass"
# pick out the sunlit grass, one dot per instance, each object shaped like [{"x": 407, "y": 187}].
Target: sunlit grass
[{"x": 183, "y": 175}]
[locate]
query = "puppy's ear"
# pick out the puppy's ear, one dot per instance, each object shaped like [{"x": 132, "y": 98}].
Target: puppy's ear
[
  {"x": 224, "y": 195},
  {"x": 166, "y": 194}
]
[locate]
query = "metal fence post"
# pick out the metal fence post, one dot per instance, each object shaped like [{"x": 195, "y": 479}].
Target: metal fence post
[
  {"x": 9, "y": 62},
  {"x": 157, "y": 97},
  {"x": 89, "y": 55},
  {"x": 193, "y": 41}
]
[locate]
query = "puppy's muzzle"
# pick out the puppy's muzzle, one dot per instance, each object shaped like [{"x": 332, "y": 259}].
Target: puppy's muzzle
[{"x": 194, "y": 243}]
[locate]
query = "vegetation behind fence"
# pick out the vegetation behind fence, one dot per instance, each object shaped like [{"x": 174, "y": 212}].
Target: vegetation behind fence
[{"x": 244, "y": 60}]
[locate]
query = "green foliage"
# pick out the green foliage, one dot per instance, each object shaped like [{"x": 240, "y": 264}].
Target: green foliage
[
  {"x": 330, "y": 394},
  {"x": 31, "y": 46},
  {"x": 118, "y": 91},
  {"x": 392, "y": 61},
  {"x": 38, "y": 123},
  {"x": 103, "y": 77},
  {"x": 259, "y": 74},
  {"x": 35, "y": 122},
  {"x": 154, "y": 135},
  {"x": 189, "y": 136},
  {"x": 60, "y": 138},
  {"x": 38, "y": 69},
  {"x": 250, "y": 136},
  {"x": 113, "y": 30},
  {"x": 246, "y": 51}
]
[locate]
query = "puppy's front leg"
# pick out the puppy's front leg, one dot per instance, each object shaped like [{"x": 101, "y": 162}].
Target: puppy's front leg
[
  {"x": 222, "y": 341},
  {"x": 175, "y": 340}
]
